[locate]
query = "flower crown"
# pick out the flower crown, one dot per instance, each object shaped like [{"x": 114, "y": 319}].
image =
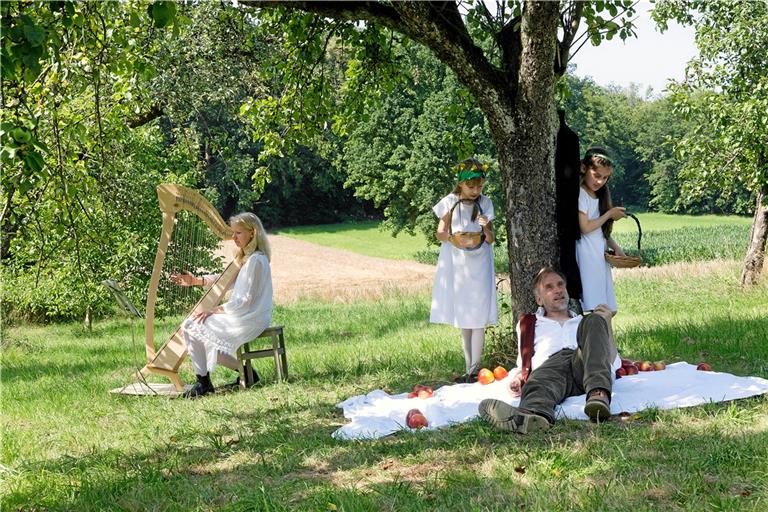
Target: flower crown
[{"x": 468, "y": 170}]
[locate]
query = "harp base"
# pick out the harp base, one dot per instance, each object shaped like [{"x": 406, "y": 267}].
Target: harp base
[
  {"x": 170, "y": 374},
  {"x": 145, "y": 389}
]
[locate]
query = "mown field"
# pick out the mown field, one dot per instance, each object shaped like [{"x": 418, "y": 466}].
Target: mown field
[
  {"x": 666, "y": 239},
  {"x": 69, "y": 445}
]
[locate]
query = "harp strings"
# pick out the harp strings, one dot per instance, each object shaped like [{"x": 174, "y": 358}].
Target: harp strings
[{"x": 188, "y": 251}]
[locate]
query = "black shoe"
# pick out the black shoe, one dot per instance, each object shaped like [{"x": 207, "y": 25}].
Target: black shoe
[
  {"x": 203, "y": 386},
  {"x": 467, "y": 378},
  {"x": 236, "y": 382}
]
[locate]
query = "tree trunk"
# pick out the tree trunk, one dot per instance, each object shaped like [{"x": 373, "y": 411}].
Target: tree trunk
[
  {"x": 527, "y": 157},
  {"x": 753, "y": 263}
]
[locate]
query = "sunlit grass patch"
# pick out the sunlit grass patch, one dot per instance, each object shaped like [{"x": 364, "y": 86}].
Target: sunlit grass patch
[{"x": 69, "y": 445}]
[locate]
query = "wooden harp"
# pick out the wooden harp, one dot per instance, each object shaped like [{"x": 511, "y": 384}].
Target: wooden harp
[{"x": 173, "y": 199}]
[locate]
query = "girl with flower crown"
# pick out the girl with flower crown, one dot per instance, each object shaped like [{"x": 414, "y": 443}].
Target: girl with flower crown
[
  {"x": 214, "y": 336},
  {"x": 464, "y": 292}
]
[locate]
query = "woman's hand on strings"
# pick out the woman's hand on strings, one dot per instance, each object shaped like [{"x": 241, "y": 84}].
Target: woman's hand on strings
[{"x": 185, "y": 279}]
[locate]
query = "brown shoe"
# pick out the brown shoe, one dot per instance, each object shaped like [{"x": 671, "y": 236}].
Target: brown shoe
[
  {"x": 598, "y": 406},
  {"x": 502, "y": 416}
]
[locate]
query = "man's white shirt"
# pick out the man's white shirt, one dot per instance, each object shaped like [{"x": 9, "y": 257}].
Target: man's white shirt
[{"x": 550, "y": 337}]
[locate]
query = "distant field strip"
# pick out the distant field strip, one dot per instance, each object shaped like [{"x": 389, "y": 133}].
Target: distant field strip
[{"x": 666, "y": 239}]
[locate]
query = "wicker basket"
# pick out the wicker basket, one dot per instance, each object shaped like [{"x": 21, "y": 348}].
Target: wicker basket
[
  {"x": 467, "y": 240},
  {"x": 627, "y": 261}
]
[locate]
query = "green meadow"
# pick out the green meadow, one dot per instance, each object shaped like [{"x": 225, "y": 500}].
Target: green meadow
[
  {"x": 666, "y": 239},
  {"x": 68, "y": 444}
]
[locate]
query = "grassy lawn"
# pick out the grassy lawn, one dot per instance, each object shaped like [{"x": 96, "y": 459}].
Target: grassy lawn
[
  {"x": 664, "y": 222},
  {"x": 360, "y": 237},
  {"x": 69, "y": 445}
]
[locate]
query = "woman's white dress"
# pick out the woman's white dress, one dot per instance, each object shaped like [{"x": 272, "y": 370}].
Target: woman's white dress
[
  {"x": 596, "y": 281},
  {"x": 464, "y": 291},
  {"x": 248, "y": 312}
]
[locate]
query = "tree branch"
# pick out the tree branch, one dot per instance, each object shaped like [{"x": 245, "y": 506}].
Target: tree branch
[
  {"x": 511, "y": 47},
  {"x": 437, "y": 25},
  {"x": 145, "y": 117},
  {"x": 570, "y": 26},
  {"x": 350, "y": 11}
]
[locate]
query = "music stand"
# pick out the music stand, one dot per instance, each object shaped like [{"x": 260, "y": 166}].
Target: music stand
[
  {"x": 121, "y": 298},
  {"x": 143, "y": 387}
]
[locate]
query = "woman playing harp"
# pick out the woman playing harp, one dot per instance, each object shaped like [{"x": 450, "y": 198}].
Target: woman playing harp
[{"x": 214, "y": 336}]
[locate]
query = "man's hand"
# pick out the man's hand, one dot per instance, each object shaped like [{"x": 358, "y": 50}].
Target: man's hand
[
  {"x": 602, "y": 310},
  {"x": 516, "y": 385}
]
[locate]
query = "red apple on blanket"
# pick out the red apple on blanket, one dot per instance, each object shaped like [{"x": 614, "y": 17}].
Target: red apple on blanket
[
  {"x": 424, "y": 393},
  {"x": 659, "y": 365},
  {"x": 632, "y": 370},
  {"x": 500, "y": 372},
  {"x": 421, "y": 391},
  {"x": 626, "y": 362},
  {"x": 704, "y": 367},
  {"x": 621, "y": 372},
  {"x": 485, "y": 376},
  {"x": 416, "y": 419},
  {"x": 644, "y": 366}
]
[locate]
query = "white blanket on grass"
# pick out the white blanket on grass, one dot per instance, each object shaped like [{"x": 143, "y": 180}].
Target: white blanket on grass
[{"x": 378, "y": 413}]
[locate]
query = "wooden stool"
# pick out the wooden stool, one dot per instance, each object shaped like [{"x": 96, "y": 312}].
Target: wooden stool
[{"x": 245, "y": 354}]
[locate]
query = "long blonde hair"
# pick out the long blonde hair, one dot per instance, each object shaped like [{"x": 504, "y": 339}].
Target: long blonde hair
[{"x": 259, "y": 242}]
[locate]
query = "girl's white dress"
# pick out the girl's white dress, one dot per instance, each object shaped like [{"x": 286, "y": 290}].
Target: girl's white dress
[
  {"x": 464, "y": 292},
  {"x": 596, "y": 281},
  {"x": 248, "y": 312}
]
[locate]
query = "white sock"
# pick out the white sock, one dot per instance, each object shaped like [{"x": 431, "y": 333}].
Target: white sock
[
  {"x": 466, "y": 341},
  {"x": 478, "y": 341}
]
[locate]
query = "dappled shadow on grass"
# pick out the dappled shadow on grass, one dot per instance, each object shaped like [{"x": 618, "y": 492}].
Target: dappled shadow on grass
[
  {"x": 730, "y": 344},
  {"x": 284, "y": 456},
  {"x": 327, "y": 324},
  {"x": 89, "y": 361}
]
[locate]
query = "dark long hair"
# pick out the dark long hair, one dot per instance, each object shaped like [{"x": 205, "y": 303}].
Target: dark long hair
[{"x": 592, "y": 158}]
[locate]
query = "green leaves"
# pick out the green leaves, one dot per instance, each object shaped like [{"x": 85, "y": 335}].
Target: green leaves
[
  {"x": 162, "y": 13},
  {"x": 725, "y": 97},
  {"x": 600, "y": 28}
]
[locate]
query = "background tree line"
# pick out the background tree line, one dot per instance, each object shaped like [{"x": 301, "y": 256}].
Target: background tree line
[{"x": 103, "y": 101}]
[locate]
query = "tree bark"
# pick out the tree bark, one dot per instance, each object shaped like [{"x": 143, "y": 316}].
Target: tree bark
[
  {"x": 753, "y": 262},
  {"x": 527, "y": 157}
]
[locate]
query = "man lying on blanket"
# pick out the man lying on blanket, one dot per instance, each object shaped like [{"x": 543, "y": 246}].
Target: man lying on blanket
[{"x": 573, "y": 354}]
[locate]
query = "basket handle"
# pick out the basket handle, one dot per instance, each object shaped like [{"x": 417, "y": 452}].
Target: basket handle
[{"x": 639, "y": 231}]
